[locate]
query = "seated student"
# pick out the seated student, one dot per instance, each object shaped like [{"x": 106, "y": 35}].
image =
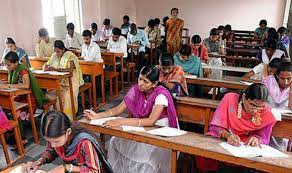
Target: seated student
[
  {"x": 90, "y": 50},
  {"x": 198, "y": 49},
  {"x": 73, "y": 39},
  {"x": 106, "y": 29},
  {"x": 117, "y": 43},
  {"x": 221, "y": 32},
  {"x": 150, "y": 105},
  {"x": 241, "y": 118},
  {"x": 262, "y": 71},
  {"x": 19, "y": 76},
  {"x": 270, "y": 52},
  {"x": 11, "y": 46},
  {"x": 45, "y": 44},
  {"x": 139, "y": 37},
  {"x": 280, "y": 96},
  {"x": 76, "y": 146},
  {"x": 160, "y": 26},
  {"x": 64, "y": 60},
  {"x": 261, "y": 31},
  {"x": 172, "y": 76},
  {"x": 153, "y": 32},
  {"x": 228, "y": 33},
  {"x": 97, "y": 35},
  {"x": 191, "y": 64},
  {"x": 284, "y": 38},
  {"x": 165, "y": 19},
  {"x": 126, "y": 25}
]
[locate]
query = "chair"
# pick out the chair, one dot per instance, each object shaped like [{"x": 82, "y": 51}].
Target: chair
[
  {"x": 50, "y": 103},
  {"x": 130, "y": 69},
  {"x": 82, "y": 89},
  {"x": 110, "y": 60}
]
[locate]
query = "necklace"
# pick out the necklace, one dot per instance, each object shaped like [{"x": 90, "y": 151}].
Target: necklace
[{"x": 255, "y": 119}]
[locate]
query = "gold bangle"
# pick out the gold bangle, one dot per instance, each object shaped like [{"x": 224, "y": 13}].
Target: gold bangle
[
  {"x": 139, "y": 122},
  {"x": 110, "y": 111}
]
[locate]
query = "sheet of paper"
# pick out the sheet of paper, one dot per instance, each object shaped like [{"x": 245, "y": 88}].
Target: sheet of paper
[
  {"x": 248, "y": 151},
  {"x": 278, "y": 113},
  {"x": 18, "y": 169},
  {"x": 100, "y": 121},
  {"x": 39, "y": 72},
  {"x": 167, "y": 132},
  {"x": 191, "y": 76},
  {"x": 57, "y": 73},
  {"x": 133, "y": 128},
  {"x": 246, "y": 83}
]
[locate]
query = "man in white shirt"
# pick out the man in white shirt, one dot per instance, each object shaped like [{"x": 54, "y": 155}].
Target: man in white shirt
[
  {"x": 73, "y": 39},
  {"x": 106, "y": 29},
  {"x": 97, "y": 35},
  {"x": 160, "y": 26},
  {"x": 117, "y": 43},
  {"x": 90, "y": 50}
]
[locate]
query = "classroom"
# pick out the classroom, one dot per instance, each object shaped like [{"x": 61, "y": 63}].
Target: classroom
[{"x": 156, "y": 86}]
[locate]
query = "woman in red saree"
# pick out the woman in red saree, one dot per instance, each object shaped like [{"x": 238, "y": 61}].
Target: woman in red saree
[
  {"x": 174, "y": 27},
  {"x": 241, "y": 118}
]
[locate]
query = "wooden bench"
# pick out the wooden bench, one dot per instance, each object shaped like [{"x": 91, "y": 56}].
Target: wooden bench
[{"x": 85, "y": 87}]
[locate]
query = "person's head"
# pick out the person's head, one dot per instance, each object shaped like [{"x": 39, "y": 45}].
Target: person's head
[
  {"x": 272, "y": 34},
  {"x": 165, "y": 19},
  {"x": 263, "y": 24},
  {"x": 214, "y": 34},
  {"x": 271, "y": 46},
  {"x": 157, "y": 21},
  {"x": 11, "y": 60},
  {"x": 133, "y": 29},
  {"x": 126, "y": 19},
  {"x": 70, "y": 28},
  {"x": 59, "y": 48},
  {"x": 284, "y": 75},
  {"x": 166, "y": 62},
  {"x": 221, "y": 30},
  {"x": 94, "y": 28},
  {"x": 227, "y": 29},
  {"x": 185, "y": 52},
  {"x": 196, "y": 41},
  {"x": 86, "y": 37},
  {"x": 10, "y": 44},
  {"x": 151, "y": 23},
  {"x": 107, "y": 23},
  {"x": 43, "y": 33},
  {"x": 254, "y": 98},
  {"x": 174, "y": 12},
  {"x": 148, "y": 78},
  {"x": 116, "y": 34},
  {"x": 282, "y": 31},
  {"x": 274, "y": 65}
]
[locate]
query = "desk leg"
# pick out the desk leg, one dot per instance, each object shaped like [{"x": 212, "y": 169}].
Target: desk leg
[
  {"x": 122, "y": 73},
  {"x": 59, "y": 94},
  {"x": 32, "y": 122},
  {"x": 102, "y": 88},
  {"x": 72, "y": 99},
  {"x": 94, "y": 91},
  {"x": 132, "y": 55},
  {"x": 173, "y": 161}
]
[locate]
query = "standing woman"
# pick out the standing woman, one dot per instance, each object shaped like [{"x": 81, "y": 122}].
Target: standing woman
[
  {"x": 11, "y": 46},
  {"x": 65, "y": 61},
  {"x": 76, "y": 146},
  {"x": 174, "y": 28},
  {"x": 150, "y": 105}
]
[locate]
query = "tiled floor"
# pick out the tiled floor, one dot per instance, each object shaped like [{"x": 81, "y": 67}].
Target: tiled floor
[{"x": 33, "y": 151}]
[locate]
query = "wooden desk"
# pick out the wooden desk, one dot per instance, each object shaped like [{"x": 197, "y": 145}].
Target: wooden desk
[
  {"x": 196, "y": 144},
  {"x": 244, "y": 44},
  {"x": 102, "y": 44},
  {"x": 7, "y": 97},
  {"x": 227, "y": 68},
  {"x": 242, "y": 51}
]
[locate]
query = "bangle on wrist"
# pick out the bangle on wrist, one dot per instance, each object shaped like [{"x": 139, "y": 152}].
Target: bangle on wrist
[
  {"x": 139, "y": 122},
  {"x": 110, "y": 111}
]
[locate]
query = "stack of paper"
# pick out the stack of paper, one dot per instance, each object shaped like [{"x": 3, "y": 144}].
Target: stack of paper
[
  {"x": 246, "y": 83},
  {"x": 100, "y": 121},
  {"x": 39, "y": 72},
  {"x": 191, "y": 76},
  {"x": 167, "y": 132},
  {"x": 57, "y": 73},
  {"x": 248, "y": 151},
  {"x": 133, "y": 128}
]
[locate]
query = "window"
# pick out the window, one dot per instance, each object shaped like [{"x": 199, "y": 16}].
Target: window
[{"x": 57, "y": 13}]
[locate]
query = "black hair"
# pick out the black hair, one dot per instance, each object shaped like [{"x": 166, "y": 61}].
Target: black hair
[
  {"x": 185, "y": 50},
  {"x": 12, "y": 57},
  {"x": 165, "y": 19},
  {"x": 93, "y": 26},
  {"x": 271, "y": 43},
  {"x": 151, "y": 73},
  {"x": 272, "y": 34},
  {"x": 173, "y": 10},
  {"x": 9, "y": 40},
  {"x": 196, "y": 39},
  {"x": 284, "y": 66},
  {"x": 157, "y": 21},
  {"x": 70, "y": 26},
  {"x": 126, "y": 17},
  {"x": 256, "y": 91},
  {"x": 106, "y": 22},
  {"x": 117, "y": 31},
  {"x": 263, "y": 22},
  {"x": 221, "y": 28},
  {"x": 166, "y": 59},
  {"x": 133, "y": 26},
  {"x": 60, "y": 45},
  {"x": 87, "y": 33},
  {"x": 275, "y": 63},
  {"x": 151, "y": 23},
  {"x": 214, "y": 31},
  {"x": 228, "y": 27},
  {"x": 282, "y": 30},
  {"x": 43, "y": 32}
]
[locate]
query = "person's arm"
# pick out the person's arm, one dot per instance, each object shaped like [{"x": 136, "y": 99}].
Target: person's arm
[
  {"x": 98, "y": 54},
  {"x": 290, "y": 98},
  {"x": 24, "y": 85},
  {"x": 247, "y": 76},
  {"x": 70, "y": 69},
  {"x": 128, "y": 38},
  {"x": 263, "y": 134},
  {"x": 66, "y": 42},
  {"x": 144, "y": 41},
  {"x": 38, "y": 50}
]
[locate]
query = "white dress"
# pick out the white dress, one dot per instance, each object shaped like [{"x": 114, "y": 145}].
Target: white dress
[{"x": 128, "y": 156}]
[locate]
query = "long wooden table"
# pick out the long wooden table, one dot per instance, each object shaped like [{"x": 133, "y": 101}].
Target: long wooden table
[
  {"x": 242, "y": 51},
  {"x": 196, "y": 144},
  {"x": 227, "y": 68}
]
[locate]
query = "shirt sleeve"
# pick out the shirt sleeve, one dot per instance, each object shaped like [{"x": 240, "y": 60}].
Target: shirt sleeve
[
  {"x": 161, "y": 100},
  {"x": 66, "y": 42},
  {"x": 98, "y": 54},
  {"x": 91, "y": 158},
  {"x": 144, "y": 40},
  {"x": 258, "y": 69},
  {"x": 49, "y": 155}
]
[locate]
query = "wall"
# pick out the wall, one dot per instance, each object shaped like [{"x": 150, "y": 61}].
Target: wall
[{"x": 201, "y": 15}]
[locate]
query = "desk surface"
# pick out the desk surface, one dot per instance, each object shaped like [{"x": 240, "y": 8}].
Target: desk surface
[
  {"x": 227, "y": 68},
  {"x": 14, "y": 92}
]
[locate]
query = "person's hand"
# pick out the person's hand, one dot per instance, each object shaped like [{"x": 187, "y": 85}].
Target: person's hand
[
  {"x": 81, "y": 58},
  {"x": 39, "y": 40},
  {"x": 58, "y": 169},
  {"x": 49, "y": 68},
  {"x": 234, "y": 140},
  {"x": 253, "y": 141},
  {"x": 90, "y": 114},
  {"x": 32, "y": 166},
  {"x": 113, "y": 123}
]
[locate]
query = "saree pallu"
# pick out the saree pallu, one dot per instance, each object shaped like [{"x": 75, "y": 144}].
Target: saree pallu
[{"x": 174, "y": 28}]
